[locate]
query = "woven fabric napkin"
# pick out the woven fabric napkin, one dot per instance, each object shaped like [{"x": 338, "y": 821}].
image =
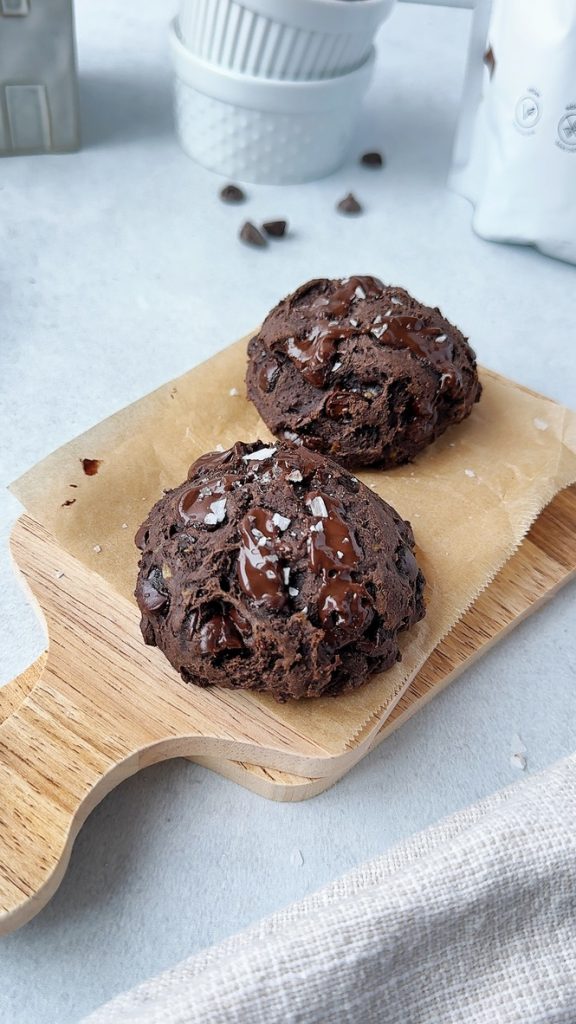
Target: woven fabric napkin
[{"x": 473, "y": 920}]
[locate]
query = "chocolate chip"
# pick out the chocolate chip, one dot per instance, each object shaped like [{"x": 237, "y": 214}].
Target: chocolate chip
[
  {"x": 275, "y": 228},
  {"x": 69, "y": 501},
  {"x": 349, "y": 204},
  {"x": 91, "y": 466},
  {"x": 232, "y": 194},
  {"x": 250, "y": 235},
  {"x": 374, "y": 159}
]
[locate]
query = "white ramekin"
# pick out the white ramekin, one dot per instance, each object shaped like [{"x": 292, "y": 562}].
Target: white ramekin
[
  {"x": 299, "y": 40},
  {"x": 263, "y": 130}
]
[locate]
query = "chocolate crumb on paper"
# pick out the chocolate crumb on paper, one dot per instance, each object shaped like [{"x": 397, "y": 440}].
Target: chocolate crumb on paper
[
  {"x": 91, "y": 466},
  {"x": 69, "y": 501}
]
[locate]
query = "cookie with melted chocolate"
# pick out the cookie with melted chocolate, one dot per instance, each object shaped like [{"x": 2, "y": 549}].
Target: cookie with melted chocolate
[
  {"x": 361, "y": 371},
  {"x": 272, "y": 568}
]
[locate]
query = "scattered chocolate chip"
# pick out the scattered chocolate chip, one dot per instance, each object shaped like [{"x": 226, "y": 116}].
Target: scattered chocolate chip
[
  {"x": 91, "y": 466},
  {"x": 489, "y": 61},
  {"x": 275, "y": 228},
  {"x": 232, "y": 194},
  {"x": 73, "y": 485},
  {"x": 374, "y": 159},
  {"x": 251, "y": 236},
  {"x": 349, "y": 204},
  {"x": 69, "y": 501}
]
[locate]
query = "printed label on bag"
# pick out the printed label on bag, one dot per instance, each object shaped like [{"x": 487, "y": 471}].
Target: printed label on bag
[
  {"x": 528, "y": 112},
  {"x": 567, "y": 131}
]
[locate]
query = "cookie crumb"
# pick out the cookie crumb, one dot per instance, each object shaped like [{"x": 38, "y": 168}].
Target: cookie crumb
[
  {"x": 91, "y": 466},
  {"x": 469, "y": 472},
  {"x": 124, "y": 526},
  {"x": 233, "y": 392},
  {"x": 69, "y": 501},
  {"x": 97, "y": 548}
]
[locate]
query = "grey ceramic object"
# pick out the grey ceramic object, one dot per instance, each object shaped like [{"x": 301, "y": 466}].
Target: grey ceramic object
[{"x": 38, "y": 80}]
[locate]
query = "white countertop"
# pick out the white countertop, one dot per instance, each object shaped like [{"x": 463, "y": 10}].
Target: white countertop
[{"x": 121, "y": 269}]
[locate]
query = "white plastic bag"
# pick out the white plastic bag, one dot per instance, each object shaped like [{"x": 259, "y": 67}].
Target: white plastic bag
[{"x": 515, "y": 153}]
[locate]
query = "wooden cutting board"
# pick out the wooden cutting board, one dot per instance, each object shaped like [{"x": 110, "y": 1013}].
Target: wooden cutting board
[
  {"x": 545, "y": 562},
  {"x": 70, "y": 732}
]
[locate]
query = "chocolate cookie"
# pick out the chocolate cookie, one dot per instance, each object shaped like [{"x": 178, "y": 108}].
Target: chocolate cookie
[
  {"x": 271, "y": 568},
  {"x": 360, "y": 371}
]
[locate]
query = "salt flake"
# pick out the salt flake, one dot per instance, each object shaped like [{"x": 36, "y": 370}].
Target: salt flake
[
  {"x": 259, "y": 455},
  {"x": 217, "y": 513},
  {"x": 469, "y": 472},
  {"x": 540, "y": 424},
  {"x": 318, "y": 507},
  {"x": 282, "y": 522},
  {"x": 233, "y": 392}
]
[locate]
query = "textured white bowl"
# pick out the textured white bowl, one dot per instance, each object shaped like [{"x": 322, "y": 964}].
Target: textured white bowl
[
  {"x": 301, "y": 40},
  {"x": 264, "y": 130}
]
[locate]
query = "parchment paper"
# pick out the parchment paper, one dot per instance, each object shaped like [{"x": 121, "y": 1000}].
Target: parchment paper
[{"x": 470, "y": 497}]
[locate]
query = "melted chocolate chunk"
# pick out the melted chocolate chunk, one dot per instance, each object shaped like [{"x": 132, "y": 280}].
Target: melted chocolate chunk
[
  {"x": 204, "y": 506},
  {"x": 332, "y": 544},
  {"x": 269, "y": 375},
  {"x": 151, "y": 597},
  {"x": 219, "y": 634},
  {"x": 345, "y": 609},
  {"x": 313, "y": 353},
  {"x": 259, "y": 569},
  {"x": 428, "y": 342},
  {"x": 141, "y": 537}
]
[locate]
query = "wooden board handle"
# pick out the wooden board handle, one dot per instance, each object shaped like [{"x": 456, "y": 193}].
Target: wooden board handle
[
  {"x": 14, "y": 693},
  {"x": 51, "y": 777}
]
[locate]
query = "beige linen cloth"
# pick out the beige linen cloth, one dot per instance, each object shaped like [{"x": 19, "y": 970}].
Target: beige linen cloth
[{"x": 470, "y": 922}]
